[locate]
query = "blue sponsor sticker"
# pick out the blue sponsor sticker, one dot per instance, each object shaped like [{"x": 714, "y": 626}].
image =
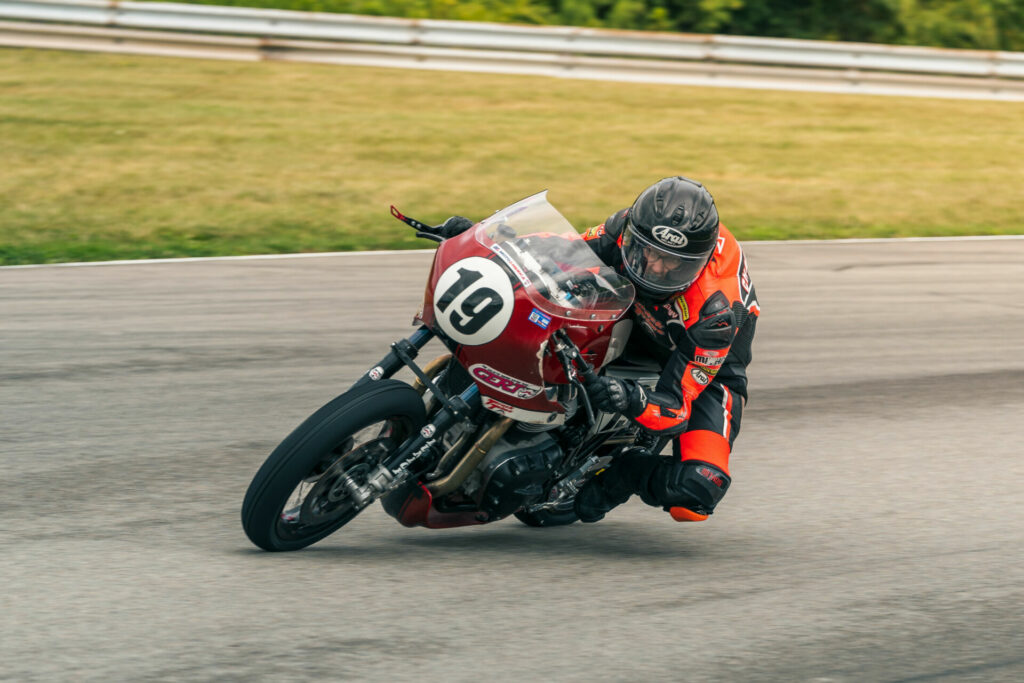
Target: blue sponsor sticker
[{"x": 540, "y": 319}]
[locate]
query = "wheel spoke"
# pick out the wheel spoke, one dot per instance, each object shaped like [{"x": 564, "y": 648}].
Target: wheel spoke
[
  {"x": 287, "y": 505},
  {"x": 315, "y": 503}
]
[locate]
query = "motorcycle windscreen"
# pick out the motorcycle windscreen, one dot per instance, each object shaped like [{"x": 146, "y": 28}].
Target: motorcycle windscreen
[{"x": 560, "y": 274}]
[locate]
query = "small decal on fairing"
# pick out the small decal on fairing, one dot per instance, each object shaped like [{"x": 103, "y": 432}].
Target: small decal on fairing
[
  {"x": 521, "y": 415},
  {"x": 510, "y": 262},
  {"x": 497, "y": 406},
  {"x": 503, "y": 383},
  {"x": 540, "y": 319}
]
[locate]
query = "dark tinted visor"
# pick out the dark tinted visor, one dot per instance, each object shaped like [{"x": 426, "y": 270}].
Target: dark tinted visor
[{"x": 656, "y": 267}]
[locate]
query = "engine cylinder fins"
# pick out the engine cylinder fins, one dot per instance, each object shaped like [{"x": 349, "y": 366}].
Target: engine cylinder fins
[{"x": 454, "y": 479}]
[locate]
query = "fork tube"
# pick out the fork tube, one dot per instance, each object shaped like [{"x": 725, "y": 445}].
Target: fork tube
[
  {"x": 423, "y": 445},
  {"x": 391, "y": 363}
]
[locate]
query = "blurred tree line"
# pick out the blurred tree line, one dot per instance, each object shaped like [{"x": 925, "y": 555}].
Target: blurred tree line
[{"x": 980, "y": 24}]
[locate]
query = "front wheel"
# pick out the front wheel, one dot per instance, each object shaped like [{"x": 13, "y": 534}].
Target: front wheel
[{"x": 296, "y": 497}]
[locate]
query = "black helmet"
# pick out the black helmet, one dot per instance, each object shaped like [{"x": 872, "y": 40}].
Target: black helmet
[{"x": 671, "y": 231}]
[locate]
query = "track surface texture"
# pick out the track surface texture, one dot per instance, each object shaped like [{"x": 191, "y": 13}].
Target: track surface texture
[{"x": 873, "y": 532}]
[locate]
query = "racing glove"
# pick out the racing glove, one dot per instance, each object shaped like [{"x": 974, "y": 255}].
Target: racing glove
[
  {"x": 615, "y": 395},
  {"x": 454, "y": 226}
]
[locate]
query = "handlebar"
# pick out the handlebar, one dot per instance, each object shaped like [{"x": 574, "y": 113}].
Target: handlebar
[
  {"x": 422, "y": 229},
  {"x": 583, "y": 368}
]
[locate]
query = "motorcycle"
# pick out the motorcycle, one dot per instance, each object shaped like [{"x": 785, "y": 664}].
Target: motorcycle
[{"x": 500, "y": 425}]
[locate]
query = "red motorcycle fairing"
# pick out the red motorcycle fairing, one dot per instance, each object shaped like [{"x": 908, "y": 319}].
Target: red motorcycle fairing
[
  {"x": 481, "y": 298},
  {"x": 496, "y": 296}
]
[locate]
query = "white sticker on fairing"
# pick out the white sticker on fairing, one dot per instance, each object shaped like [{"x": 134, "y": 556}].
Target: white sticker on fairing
[
  {"x": 473, "y": 301},
  {"x": 520, "y": 273},
  {"x": 504, "y": 383},
  {"x": 531, "y": 416}
]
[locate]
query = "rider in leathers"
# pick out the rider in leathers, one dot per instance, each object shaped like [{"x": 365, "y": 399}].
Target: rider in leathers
[{"x": 695, "y": 314}]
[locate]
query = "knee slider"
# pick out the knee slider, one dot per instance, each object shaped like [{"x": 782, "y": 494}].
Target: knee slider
[{"x": 691, "y": 484}]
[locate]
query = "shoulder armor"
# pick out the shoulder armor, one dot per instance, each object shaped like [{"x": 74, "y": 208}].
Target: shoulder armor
[
  {"x": 717, "y": 323},
  {"x": 605, "y": 241},
  {"x": 715, "y": 303},
  {"x": 615, "y": 224}
]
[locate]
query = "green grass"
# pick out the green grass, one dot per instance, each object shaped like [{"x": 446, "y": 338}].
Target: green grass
[{"x": 108, "y": 157}]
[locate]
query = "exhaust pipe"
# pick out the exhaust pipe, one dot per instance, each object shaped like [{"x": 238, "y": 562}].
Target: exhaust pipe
[{"x": 447, "y": 484}]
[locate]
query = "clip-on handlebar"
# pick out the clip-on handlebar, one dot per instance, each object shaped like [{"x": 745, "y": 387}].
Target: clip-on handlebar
[
  {"x": 423, "y": 230},
  {"x": 572, "y": 353},
  {"x": 575, "y": 367}
]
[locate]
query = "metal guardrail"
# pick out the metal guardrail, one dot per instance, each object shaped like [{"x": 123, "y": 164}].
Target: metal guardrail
[{"x": 243, "y": 33}]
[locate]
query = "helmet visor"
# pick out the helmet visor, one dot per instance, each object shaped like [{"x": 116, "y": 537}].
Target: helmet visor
[{"x": 656, "y": 267}]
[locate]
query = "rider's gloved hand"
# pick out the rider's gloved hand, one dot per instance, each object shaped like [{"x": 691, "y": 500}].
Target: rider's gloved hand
[
  {"x": 614, "y": 395},
  {"x": 455, "y": 225}
]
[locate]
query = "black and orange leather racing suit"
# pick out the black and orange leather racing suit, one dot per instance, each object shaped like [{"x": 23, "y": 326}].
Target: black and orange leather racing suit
[{"x": 701, "y": 338}]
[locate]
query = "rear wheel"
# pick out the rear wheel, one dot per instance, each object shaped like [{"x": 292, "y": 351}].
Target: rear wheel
[{"x": 300, "y": 494}]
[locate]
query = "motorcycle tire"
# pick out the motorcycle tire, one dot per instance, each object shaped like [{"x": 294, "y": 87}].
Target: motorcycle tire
[
  {"x": 324, "y": 446},
  {"x": 547, "y": 518}
]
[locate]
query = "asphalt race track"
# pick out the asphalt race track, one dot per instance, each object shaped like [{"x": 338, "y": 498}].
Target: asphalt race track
[{"x": 873, "y": 533}]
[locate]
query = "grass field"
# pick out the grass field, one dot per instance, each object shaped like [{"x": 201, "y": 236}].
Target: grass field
[{"x": 105, "y": 156}]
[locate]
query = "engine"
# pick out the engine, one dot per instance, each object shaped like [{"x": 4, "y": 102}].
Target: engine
[
  {"x": 570, "y": 406},
  {"x": 513, "y": 473}
]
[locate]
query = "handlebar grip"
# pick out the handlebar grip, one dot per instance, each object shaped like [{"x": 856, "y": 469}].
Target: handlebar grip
[
  {"x": 432, "y": 236},
  {"x": 585, "y": 369}
]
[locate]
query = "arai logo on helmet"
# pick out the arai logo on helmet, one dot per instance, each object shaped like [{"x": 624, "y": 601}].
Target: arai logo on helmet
[{"x": 673, "y": 237}]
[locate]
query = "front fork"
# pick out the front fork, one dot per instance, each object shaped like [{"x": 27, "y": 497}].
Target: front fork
[
  {"x": 418, "y": 452},
  {"x": 402, "y": 353}
]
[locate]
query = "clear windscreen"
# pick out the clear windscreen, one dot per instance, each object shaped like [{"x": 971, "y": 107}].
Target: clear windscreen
[{"x": 559, "y": 272}]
